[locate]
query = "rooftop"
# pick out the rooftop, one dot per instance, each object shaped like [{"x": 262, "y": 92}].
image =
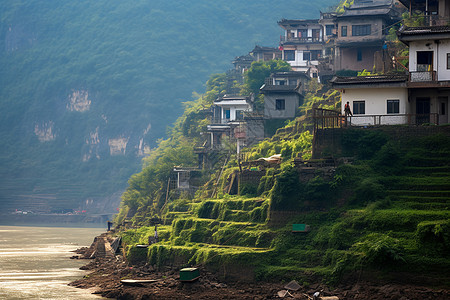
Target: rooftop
[
  {"x": 406, "y": 34},
  {"x": 296, "y": 23},
  {"x": 265, "y": 49},
  {"x": 375, "y": 79}
]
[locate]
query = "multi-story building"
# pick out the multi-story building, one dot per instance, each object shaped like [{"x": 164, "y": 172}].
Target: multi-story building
[
  {"x": 302, "y": 45},
  {"x": 420, "y": 97},
  {"x": 362, "y": 31}
]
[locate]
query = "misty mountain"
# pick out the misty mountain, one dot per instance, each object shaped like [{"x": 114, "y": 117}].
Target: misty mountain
[{"x": 87, "y": 87}]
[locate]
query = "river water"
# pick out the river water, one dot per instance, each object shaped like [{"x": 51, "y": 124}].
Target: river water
[{"x": 35, "y": 262}]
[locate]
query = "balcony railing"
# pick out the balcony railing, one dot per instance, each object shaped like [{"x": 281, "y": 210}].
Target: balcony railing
[
  {"x": 332, "y": 119},
  {"x": 422, "y": 76},
  {"x": 301, "y": 39}
]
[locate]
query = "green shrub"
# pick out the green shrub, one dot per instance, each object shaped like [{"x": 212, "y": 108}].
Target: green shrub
[
  {"x": 434, "y": 236},
  {"x": 367, "y": 191},
  {"x": 379, "y": 249}
]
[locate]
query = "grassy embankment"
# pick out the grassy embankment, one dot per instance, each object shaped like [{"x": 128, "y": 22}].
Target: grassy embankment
[{"x": 386, "y": 213}]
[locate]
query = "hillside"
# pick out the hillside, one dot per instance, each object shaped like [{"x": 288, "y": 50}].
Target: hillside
[
  {"x": 376, "y": 200},
  {"x": 382, "y": 217},
  {"x": 88, "y": 87}
]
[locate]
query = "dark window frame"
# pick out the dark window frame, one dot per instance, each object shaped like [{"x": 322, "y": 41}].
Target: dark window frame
[
  {"x": 306, "y": 55},
  {"x": 329, "y": 29},
  {"x": 343, "y": 30},
  {"x": 393, "y": 106},
  {"x": 448, "y": 61},
  {"x": 227, "y": 114},
  {"x": 361, "y": 30},
  {"x": 280, "y": 104},
  {"x": 316, "y": 54},
  {"x": 359, "y": 54},
  {"x": 359, "y": 107},
  {"x": 289, "y": 55}
]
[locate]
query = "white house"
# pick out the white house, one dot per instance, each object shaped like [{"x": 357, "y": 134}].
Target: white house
[
  {"x": 232, "y": 119},
  {"x": 375, "y": 100},
  {"x": 421, "y": 96},
  {"x": 429, "y": 71},
  {"x": 302, "y": 44}
]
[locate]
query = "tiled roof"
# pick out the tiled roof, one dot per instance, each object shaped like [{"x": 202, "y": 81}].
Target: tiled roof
[
  {"x": 262, "y": 48},
  {"x": 298, "y": 22},
  {"x": 423, "y": 30},
  {"x": 369, "y": 79}
]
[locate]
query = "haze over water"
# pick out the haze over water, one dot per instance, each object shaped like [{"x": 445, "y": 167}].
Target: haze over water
[{"x": 35, "y": 264}]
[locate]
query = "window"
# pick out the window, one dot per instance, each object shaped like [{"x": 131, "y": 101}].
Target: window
[
  {"x": 359, "y": 107},
  {"x": 393, "y": 106},
  {"x": 279, "y": 104},
  {"x": 226, "y": 113},
  {"x": 306, "y": 55},
  {"x": 448, "y": 61},
  {"x": 329, "y": 29},
  {"x": 424, "y": 61},
  {"x": 289, "y": 55},
  {"x": 302, "y": 33},
  {"x": 239, "y": 115},
  {"x": 315, "y": 34},
  {"x": 280, "y": 82},
  {"x": 359, "y": 55},
  {"x": 343, "y": 30},
  {"x": 316, "y": 54},
  {"x": 360, "y": 30},
  {"x": 292, "y": 81}
]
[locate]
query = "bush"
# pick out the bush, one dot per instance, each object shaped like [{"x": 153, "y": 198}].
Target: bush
[
  {"x": 434, "y": 236},
  {"x": 378, "y": 249}
]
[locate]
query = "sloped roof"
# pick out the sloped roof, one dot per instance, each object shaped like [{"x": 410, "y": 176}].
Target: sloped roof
[
  {"x": 285, "y": 22},
  {"x": 369, "y": 8},
  {"x": 406, "y": 34},
  {"x": 368, "y": 80},
  {"x": 264, "y": 49}
]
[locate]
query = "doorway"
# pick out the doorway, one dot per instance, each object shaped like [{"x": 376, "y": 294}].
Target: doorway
[
  {"x": 443, "y": 110},
  {"x": 422, "y": 110}
]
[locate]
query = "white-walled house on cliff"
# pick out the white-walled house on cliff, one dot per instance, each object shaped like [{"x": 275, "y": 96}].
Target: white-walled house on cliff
[
  {"x": 233, "y": 119},
  {"x": 429, "y": 70},
  {"x": 301, "y": 45},
  {"x": 375, "y": 100},
  {"x": 421, "y": 96}
]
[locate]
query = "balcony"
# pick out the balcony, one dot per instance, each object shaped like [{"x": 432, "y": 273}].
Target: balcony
[
  {"x": 422, "y": 76},
  {"x": 300, "y": 40}
]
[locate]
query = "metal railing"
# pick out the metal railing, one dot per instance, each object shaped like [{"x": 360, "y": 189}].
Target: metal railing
[
  {"x": 422, "y": 76},
  {"x": 309, "y": 39},
  {"x": 338, "y": 121}
]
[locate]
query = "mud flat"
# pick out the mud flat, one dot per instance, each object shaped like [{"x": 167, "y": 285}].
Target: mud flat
[{"x": 107, "y": 273}]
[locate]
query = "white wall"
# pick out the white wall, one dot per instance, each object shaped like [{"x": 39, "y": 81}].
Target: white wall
[
  {"x": 376, "y": 104},
  {"x": 443, "y": 72},
  {"x": 421, "y": 46},
  {"x": 439, "y": 56}
]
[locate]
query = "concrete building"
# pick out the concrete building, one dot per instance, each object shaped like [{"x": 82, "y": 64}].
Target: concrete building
[
  {"x": 429, "y": 70},
  {"x": 301, "y": 45},
  {"x": 283, "y": 94},
  {"x": 362, "y": 31}
]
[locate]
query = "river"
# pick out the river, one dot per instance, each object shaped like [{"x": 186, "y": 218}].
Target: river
[{"x": 35, "y": 262}]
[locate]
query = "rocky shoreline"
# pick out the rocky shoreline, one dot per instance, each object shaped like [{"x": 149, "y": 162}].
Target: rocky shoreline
[{"x": 107, "y": 273}]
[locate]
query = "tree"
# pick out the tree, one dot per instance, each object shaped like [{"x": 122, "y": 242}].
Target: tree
[{"x": 259, "y": 71}]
